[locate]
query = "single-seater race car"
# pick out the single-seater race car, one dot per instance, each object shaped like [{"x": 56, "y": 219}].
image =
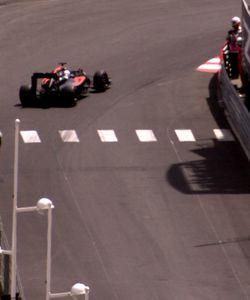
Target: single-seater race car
[{"x": 62, "y": 86}]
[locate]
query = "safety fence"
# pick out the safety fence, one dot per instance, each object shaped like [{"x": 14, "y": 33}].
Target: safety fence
[
  {"x": 5, "y": 272},
  {"x": 236, "y": 111},
  {"x": 4, "y": 267},
  {"x": 234, "y": 106}
]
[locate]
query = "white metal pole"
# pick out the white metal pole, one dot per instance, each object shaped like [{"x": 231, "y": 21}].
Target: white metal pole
[
  {"x": 60, "y": 295},
  {"x": 48, "y": 268},
  {"x": 14, "y": 216},
  {"x": 87, "y": 293},
  {"x": 26, "y": 209}
]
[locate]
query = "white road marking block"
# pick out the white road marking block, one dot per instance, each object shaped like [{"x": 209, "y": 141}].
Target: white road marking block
[
  {"x": 107, "y": 135},
  {"x": 146, "y": 135},
  {"x": 69, "y": 136},
  {"x": 213, "y": 65},
  {"x": 185, "y": 135},
  {"x": 30, "y": 136},
  {"x": 224, "y": 135}
]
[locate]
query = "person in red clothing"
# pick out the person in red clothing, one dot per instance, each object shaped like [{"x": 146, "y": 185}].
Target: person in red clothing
[
  {"x": 242, "y": 89},
  {"x": 234, "y": 50}
]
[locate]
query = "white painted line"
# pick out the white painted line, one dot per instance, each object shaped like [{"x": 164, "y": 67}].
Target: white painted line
[
  {"x": 30, "y": 136},
  {"x": 224, "y": 135},
  {"x": 107, "y": 135},
  {"x": 215, "y": 60},
  {"x": 145, "y": 135},
  {"x": 69, "y": 136},
  {"x": 185, "y": 135},
  {"x": 208, "y": 67},
  {"x": 213, "y": 65}
]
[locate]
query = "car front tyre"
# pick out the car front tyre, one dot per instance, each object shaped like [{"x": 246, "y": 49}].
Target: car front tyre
[{"x": 101, "y": 81}]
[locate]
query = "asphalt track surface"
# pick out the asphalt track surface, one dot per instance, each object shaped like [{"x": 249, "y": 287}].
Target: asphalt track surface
[{"x": 159, "y": 220}]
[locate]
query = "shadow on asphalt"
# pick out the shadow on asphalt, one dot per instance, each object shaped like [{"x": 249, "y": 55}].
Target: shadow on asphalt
[
  {"x": 213, "y": 104},
  {"x": 223, "y": 167}
]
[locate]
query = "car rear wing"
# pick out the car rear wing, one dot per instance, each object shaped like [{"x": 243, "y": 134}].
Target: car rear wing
[{"x": 37, "y": 76}]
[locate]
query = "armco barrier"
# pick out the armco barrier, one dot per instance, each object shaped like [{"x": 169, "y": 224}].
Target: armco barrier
[{"x": 235, "y": 110}]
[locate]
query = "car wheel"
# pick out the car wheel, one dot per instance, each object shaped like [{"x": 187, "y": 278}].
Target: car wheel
[
  {"x": 101, "y": 81},
  {"x": 84, "y": 89},
  {"x": 68, "y": 95},
  {"x": 25, "y": 95}
]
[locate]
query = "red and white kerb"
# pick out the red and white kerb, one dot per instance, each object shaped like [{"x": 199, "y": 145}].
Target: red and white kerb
[{"x": 213, "y": 65}]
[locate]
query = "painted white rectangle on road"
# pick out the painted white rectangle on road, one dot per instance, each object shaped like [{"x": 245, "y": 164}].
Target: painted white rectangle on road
[
  {"x": 145, "y": 135},
  {"x": 224, "y": 135},
  {"x": 212, "y": 67},
  {"x": 69, "y": 136},
  {"x": 215, "y": 60},
  {"x": 30, "y": 136},
  {"x": 185, "y": 135},
  {"x": 107, "y": 135}
]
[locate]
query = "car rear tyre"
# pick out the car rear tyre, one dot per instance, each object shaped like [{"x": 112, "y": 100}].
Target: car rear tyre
[
  {"x": 68, "y": 95},
  {"x": 25, "y": 95},
  {"x": 101, "y": 81}
]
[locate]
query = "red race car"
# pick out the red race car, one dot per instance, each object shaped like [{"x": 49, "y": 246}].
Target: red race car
[{"x": 62, "y": 87}]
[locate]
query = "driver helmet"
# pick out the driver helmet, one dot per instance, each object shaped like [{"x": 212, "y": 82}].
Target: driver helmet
[
  {"x": 64, "y": 74},
  {"x": 236, "y": 22}
]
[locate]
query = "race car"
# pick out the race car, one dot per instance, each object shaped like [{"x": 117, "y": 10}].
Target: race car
[{"x": 62, "y": 87}]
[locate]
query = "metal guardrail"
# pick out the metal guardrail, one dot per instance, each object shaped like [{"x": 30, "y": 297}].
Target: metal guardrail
[
  {"x": 5, "y": 278},
  {"x": 4, "y": 266},
  {"x": 236, "y": 111}
]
